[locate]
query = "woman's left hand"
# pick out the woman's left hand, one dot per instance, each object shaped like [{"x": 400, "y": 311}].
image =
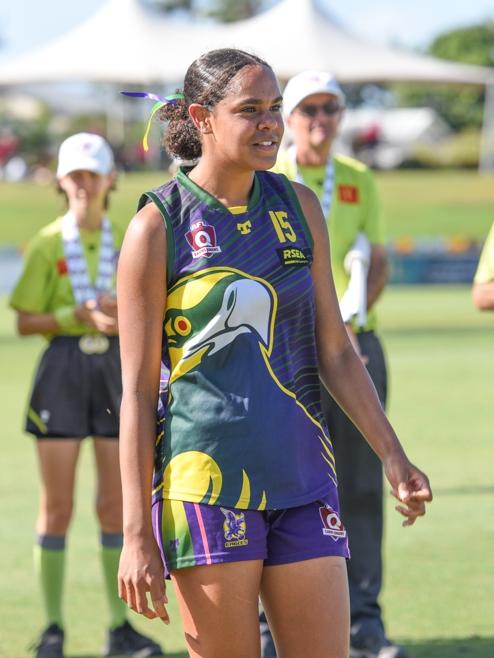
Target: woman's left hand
[
  {"x": 409, "y": 485},
  {"x": 108, "y": 304}
]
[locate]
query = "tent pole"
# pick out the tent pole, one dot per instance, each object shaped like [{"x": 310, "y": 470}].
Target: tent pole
[{"x": 486, "y": 159}]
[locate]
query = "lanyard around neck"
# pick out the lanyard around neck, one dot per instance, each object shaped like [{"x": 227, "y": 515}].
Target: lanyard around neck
[
  {"x": 77, "y": 269},
  {"x": 326, "y": 196}
]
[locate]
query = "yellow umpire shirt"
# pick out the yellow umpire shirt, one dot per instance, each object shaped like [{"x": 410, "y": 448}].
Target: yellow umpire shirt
[
  {"x": 485, "y": 268},
  {"x": 354, "y": 209},
  {"x": 44, "y": 285}
]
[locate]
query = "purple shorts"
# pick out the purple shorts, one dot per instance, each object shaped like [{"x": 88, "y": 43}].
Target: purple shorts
[{"x": 192, "y": 534}]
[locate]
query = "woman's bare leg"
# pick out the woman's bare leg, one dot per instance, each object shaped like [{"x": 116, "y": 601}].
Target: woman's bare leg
[
  {"x": 307, "y": 606},
  {"x": 57, "y": 463},
  {"x": 219, "y": 609},
  {"x": 109, "y": 487}
]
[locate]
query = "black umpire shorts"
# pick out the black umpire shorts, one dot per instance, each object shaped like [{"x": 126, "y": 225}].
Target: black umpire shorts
[{"x": 77, "y": 389}]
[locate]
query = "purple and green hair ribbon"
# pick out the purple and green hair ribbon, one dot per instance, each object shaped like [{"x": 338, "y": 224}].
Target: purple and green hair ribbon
[{"x": 159, "y": 102}]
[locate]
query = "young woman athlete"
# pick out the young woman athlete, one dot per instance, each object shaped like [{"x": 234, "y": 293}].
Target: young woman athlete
[{"x": 224, "y": 279}]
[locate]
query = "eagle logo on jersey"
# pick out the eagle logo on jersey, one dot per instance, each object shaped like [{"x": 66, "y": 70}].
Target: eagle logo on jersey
[
  {"x": 219, "y": 327},
  {"x": 332, "y": 525},
  {"x": 202, "y": 240},
  {"x": 234, "y": 528},
  {"x": 207, "y": 313}
]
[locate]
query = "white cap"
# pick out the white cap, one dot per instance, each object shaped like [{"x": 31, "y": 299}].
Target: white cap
[
  {"x": 307, "y": 83},
  {"x": 85, "y": 152}
]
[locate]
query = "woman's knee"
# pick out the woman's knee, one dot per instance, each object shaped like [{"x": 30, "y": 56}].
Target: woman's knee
[
  {"x": 109, "y": 511},
  {"x": 54, "y": 516}
]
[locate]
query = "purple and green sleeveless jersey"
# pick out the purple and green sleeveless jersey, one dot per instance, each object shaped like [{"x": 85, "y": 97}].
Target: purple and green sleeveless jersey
[{"x": 239, "y": 423}]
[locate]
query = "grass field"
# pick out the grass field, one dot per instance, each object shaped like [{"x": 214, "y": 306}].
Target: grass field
[
  {"x": 439, "y": 574},
  {"x": 436, "y": 203},
  {"x": 439, "y": 588},
  {"x": 414, "y": 204}
]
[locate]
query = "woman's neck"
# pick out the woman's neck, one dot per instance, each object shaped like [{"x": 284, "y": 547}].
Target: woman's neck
[
  {"x": 88, "y": 219},
  {"x": 311, "y": 156},
  {"x": 229, "y": 187}
]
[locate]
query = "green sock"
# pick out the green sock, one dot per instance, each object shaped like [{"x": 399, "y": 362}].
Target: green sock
[
  {"x": 49, "y": 565},
  {"x": 111, "y": 547}
]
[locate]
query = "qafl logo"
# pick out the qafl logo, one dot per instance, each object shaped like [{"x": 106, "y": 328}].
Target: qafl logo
[
  {"x": 331, "y": 523},
  {"x": 202, "y": 240}
]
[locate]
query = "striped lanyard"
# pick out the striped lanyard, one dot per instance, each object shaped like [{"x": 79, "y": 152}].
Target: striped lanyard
[
  {"x": 82, "y": 287},
  {"x": 326, "y": 196}
]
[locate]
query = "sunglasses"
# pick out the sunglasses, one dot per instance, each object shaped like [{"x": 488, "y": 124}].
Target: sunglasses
[{"x": 329, "y": 108}]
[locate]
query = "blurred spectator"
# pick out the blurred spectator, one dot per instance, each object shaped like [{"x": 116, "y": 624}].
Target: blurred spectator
[
  {"x": 8, "y": 145},
  {"x": 365, "y": 141}
]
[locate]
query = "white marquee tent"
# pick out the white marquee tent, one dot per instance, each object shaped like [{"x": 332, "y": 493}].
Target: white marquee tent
[{"x": 127, "y": 42}]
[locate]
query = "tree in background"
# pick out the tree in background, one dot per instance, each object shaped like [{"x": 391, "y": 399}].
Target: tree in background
[
  {"x": 228, "y": 11},
  {"x": 461, "y": 107},
  {"x": 225, "y": 11},
  {"x": 171, "y": 6}
]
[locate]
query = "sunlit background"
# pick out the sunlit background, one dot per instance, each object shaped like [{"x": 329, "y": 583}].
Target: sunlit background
[{"x": 419, "y": 79}]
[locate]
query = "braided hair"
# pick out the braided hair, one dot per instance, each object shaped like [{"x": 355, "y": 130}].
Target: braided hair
[{"x": 206, "y": 82}]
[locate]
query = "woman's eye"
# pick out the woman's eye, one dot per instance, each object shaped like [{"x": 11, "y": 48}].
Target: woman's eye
[
  {"x": 249, "y": 109},
  {"x": 276, "y": 107}
]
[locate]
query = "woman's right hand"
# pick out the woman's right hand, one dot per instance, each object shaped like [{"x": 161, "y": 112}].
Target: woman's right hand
[
  {"x": 108, "y": 304},
  {"x": 90, "y": 314},
  {"x": 141, "y": 571},
  {"x": 409, "y": 485}
]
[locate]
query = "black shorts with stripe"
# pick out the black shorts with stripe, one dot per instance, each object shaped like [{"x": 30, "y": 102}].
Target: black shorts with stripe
[{"x": 75, "y": 393}]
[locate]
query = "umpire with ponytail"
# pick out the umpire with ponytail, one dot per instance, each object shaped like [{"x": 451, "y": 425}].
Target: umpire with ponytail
[{"x": 66, "y": 293}]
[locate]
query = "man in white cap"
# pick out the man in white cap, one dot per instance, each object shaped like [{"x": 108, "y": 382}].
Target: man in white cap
[{"x": 313, "y": 107}]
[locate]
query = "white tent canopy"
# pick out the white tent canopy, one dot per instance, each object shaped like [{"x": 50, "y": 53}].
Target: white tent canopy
[
  {"x": 123, "y": 42},
  {"x": 127, "y": 42},
  {"x": 309, "y": 39}
]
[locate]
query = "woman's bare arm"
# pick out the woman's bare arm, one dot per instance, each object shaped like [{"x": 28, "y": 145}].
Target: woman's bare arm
[
  {"x": 345, "y": 377},
  {"x": 141, "y": 293},
  {"x": 87, "y": 313}
]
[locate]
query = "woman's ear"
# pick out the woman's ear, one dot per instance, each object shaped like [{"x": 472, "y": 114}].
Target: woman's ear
[
  {"x": 111, "y": 180},
  {"x": 200, "y": 117}
]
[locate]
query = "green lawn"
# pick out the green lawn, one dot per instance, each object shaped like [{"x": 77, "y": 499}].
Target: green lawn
[
  {"x": 26, "y": 207},
  {"x": 440, "y": 574},
  {"x": 436, "y": 203},
  {"x": 414, "y": 204},
  {"x": 20, "y": 613},
  {"x": 439, "y": 585}
]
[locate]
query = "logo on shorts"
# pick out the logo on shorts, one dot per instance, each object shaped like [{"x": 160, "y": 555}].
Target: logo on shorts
[
  {"x": 331, "y": 522},
  {"x": 174, "y": 544},
  {"x": 234, "y": 528},
  {"x": 202, "y": 240}
]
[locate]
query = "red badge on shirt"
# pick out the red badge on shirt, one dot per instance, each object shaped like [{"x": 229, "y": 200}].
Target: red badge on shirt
[
  {"x": 202, "y": 239},
  {"x": 62, "y": 266},
  {"x": 348, "y": 194}
]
